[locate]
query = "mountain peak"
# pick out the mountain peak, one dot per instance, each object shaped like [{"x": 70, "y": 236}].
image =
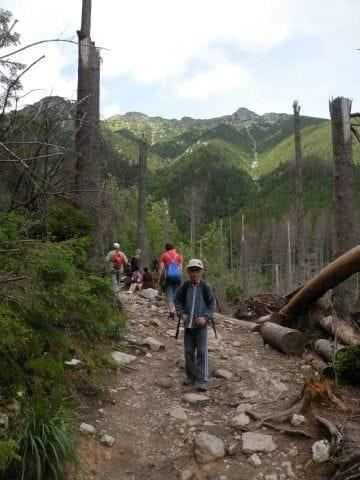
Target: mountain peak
[{"x": 244, "y": 114}]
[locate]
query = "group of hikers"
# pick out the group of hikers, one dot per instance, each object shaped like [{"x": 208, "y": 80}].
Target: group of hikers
[{"x": 192, "y": 301}]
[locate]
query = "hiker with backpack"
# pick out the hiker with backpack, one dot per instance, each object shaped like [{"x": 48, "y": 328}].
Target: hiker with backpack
[
  {"x": 116, "y": 261},
  {"x": 171, "y": 274},
  {"x": 195, "y": 305}
]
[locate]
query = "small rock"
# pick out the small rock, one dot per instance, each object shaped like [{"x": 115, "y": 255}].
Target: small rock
[
  {"x": 293, "y": 452},
  {"x": 102, "y": 411},
  {"x": 153, "y": 344},
  {"x": 178, "y": 413},
  {"x": 74, "y": 362},
  {"x": 195, "y": 398},
  {"x": 4, "y": 420},
  {"x": 122, "y": 358},
  {"x": 149, "y": 293},
  {"x": 257, "y": 442},
  {"x": 272, "y": 476},
  {"x": 87, "y": 429},
  {"x": 186, "y": 475},
  {"x": 148, "y": 355},
  {"x": 233, "y": 448},
  {"x": 297, "y": 420},
  {"x": 254, "y": 460},
  {"x": 280, "y": 387},
  {"x": 181, "y": 362},
  {"x": 321, "y": 451},
  {"x": 250, "y": 393},
  {"x": 163, "y": 382},
  {"x": 107, "y": 440},
  {"x": 208, "y": 448},
  {"x": 236, "y": 344},
  {"x": 289, "y": 470},
  {"x": 239, "y": 421},
  {"x": 156, "y": 322},
  {"x": 221, "y": 373},
  {"x": 243, "y": 407}
]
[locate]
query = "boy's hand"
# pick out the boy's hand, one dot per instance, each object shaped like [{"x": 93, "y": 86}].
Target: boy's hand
[{"x": 201, "y": 321}]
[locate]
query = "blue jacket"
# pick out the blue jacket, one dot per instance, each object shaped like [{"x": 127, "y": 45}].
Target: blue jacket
[{"x": 195, "y": 305}]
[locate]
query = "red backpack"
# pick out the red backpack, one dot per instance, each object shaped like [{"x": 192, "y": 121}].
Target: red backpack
[{"x": 117, "y": 260}]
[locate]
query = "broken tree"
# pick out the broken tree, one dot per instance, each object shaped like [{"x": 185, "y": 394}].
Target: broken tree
[
  {"x": 340, "y": 107},
  {"x": 142, "y": 203},
  {"x": 87, "y": 139}
]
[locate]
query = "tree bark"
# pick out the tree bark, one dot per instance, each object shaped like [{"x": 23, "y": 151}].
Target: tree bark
[
  {"x": 299, "y": 188},
  {"x": 87, "y": 138},
  {"x": 318, "y": 364},
  {"x": 285, "y": 339},
  {"x": 340, "y": 107},
  {"x": 326, "y": 349},
  {"x": 342, "y": 330},
  {"x": 142, "y": 201},
  {"x": 166, "y": 220}
]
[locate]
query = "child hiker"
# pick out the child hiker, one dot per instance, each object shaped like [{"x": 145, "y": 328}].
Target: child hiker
[{"x": 195, "y": 304}]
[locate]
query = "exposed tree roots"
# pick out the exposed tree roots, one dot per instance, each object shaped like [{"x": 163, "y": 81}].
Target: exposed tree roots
[{"x": 349, "y": 468}]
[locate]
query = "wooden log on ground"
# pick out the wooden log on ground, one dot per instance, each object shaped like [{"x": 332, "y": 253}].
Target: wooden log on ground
[
  {"x": 326, "y": 349},
  {"x": 242, "y": 324},
  {"x": 318, "y": 364},
  {"x": 287, "y": 340},
  {"x": 342, "y": 330},
  {"x": 333, "y": 274}
]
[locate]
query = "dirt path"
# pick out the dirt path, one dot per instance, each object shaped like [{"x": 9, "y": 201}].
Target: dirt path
[{"x": 150, "y": 444}]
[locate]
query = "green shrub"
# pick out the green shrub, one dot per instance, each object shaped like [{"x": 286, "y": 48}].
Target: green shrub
[
  {"x": 233, "y": 293},
  {"x": 63, "y": 222},
  {"x": 347, "y": 364},
  {"x": 54, "y": 264},
  {"x": 15, "y": 337},
  {"x": 47, "y": 369},
  {"x": 46, "y": 442},
  {"x": 12, "y": 376},
  {"x": 8, "y": 453}
]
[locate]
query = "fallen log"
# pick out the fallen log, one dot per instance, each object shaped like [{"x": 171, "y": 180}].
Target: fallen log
[
  {"x": 342, "y": 330},
  {"x": 333, "y": 274},
  {"x": 318, "y": 364},
  {"x": 326, "y": 349},
  {"x": 287, "y": 340},
  {"x": 242, "y": 324}
]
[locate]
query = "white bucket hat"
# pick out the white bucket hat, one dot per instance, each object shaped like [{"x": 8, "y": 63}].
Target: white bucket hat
[
  {"x": 195, "y": 263},
  {"x": 116, "y": 245}
]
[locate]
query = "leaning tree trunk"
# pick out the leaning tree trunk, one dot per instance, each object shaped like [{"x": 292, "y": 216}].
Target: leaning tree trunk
[
  {"x": 87, "y": 138},
  {"x": 142, "y": 203},
  {"x": 299, "y": 189},
  {"x": 343, "y": 295}
]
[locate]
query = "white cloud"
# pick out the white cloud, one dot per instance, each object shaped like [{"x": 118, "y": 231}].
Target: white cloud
[{"x": 214, "y": 81}]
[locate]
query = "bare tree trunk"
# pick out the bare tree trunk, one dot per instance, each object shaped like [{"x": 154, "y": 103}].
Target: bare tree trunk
[
  {"x": 289, "y": 256},
  {"x": 340, "y": 107},
  {"x": 87, "y": 139},
  {"x": 142, "y": 201},
  {"x": 192, "y": 221},
  {"x": 299, "y": 187},
  {"x": 231, "y": 250}
]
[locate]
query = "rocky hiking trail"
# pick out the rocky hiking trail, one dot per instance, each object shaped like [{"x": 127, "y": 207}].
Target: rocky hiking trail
[{"x": 155, "y": 428}]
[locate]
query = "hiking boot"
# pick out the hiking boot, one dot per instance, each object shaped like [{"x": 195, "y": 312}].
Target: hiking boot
[
  {"x": 201, "y": 387},
  {"x": 188, "y": 381}
]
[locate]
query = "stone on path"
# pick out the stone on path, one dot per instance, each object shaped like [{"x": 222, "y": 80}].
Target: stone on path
[
  {"x": 233, "y": 448},
  {"x": 243, "y": 407},
  {"x": 221, "y": 373},
  {"x": 153, "y": 344},
  {"x": 240, "y": 421},
  {"x": 187, "y": 475},
  {"x": 155, "y": 322},
  {"x": 87, "y": 429},
  {"x": 250, "y": 393},
  {"x": 107, "y": 440},
  {"x": 149, "y": 293},
  {"x": 178, "y": 413},
  {"x": 297, "y": 420},
  {"x": 257, "y": 442},
  {"x": 163, "y": 382},
  {"x": 254, "y": 460},
  {"x": 122, "y": 358},
  {"x": 280, "y": 387},
  {"x": 195, "y": 398},
  {"x": 74, "y": 362},
  {"x": 321, "y": 451},
  {"x": 208, "y": 448},
  {"x": 272, "y": 476}
]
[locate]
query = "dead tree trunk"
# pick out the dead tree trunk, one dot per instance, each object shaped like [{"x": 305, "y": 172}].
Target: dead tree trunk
[
  {"x": 343, "y": 294},
  {"x": 142, "y": 203},
  {"x": 326, "y": 349},
  {"x": 166, "y": 220},
  {"x": 285, "y": 339},
  {"x": 299, "y": 189},
  {"x": 87, "y": 138}
]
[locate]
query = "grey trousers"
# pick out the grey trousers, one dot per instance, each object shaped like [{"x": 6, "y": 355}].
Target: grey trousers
[
  {"x": 116, "y": 278},
  {"x": 196, "y": 353}
]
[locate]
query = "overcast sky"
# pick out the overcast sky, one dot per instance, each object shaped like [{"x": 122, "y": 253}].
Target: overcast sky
[{"x": 201, "y": 58}]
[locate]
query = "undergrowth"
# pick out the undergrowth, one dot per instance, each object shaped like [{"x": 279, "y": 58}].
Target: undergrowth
[{"x": 54, "y": 305}]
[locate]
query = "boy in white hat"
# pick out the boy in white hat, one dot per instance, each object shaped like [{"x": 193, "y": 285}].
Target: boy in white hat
[{"x": 195, "y": 304}]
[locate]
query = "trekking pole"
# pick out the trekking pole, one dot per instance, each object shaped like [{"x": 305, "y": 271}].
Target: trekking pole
[
  {"x": 178, "y": 328},
  {"x": 214, "y": 328}
]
